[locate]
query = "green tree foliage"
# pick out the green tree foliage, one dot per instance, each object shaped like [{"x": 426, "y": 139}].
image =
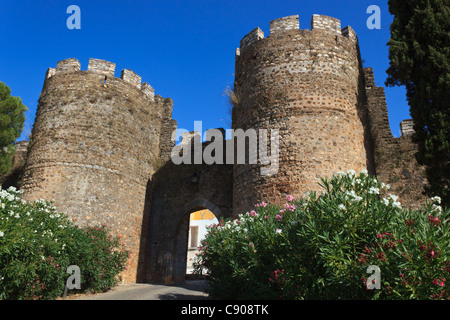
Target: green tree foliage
[
  {"x": 419, "y": 56},
  {"x": 12, "y": 118}
]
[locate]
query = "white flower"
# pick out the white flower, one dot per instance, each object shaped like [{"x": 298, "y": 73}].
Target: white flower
[
  {"x": 393, "y": 197},
  {"x": 374, "y": 190},
  {"x": 351, "y": 172},
  {"x": 436, "y": 199},
  {"x": 342, "y": 207},
  {"x": 436, "y": 208},
  {"x": 278, "y": 231},
  {"x": 396, "y": 204},
  {"x": 364, "y": 171},
  {"x": 352, "y": 194},
  {"x": 385, "y": 201},
  {"x": 2, "y": 233}
]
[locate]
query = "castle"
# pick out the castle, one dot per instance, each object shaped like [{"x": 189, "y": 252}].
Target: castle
[{"x": 101, "y": 145}]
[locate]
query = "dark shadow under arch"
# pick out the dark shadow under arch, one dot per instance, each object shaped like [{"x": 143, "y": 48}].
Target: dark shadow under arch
[{"x": 174, "y": 195}]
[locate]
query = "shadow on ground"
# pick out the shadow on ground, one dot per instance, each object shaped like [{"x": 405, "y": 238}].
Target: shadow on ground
[{"x": 188, "y": 290}]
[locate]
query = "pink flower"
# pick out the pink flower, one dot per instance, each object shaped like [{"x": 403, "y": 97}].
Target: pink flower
[
  {"x": 278, "y": 217},
  {"x": 262, "y": 204},
  {"x": 439, "y": 283},
  {"x": 289, "y": 198},
  {"x": 289, "y": 207},
  {"x": 253, "y": 213}
]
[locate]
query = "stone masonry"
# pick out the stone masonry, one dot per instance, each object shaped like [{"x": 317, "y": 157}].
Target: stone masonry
[
  {"x": 306, "y": 84},
  {"x": 95, "y": 142},
  {"x": 101, "y": 145}
]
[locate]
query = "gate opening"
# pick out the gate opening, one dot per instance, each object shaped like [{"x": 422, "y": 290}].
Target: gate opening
[{"x": 198, "y": 223}]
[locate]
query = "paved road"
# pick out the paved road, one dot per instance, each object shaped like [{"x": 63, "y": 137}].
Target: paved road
[{"x": 189, "y": 290}]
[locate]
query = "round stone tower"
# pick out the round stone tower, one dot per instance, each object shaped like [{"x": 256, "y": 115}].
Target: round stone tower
[
  {"x": 308, "y": 85},
  {"x": 95, "y": 141}
]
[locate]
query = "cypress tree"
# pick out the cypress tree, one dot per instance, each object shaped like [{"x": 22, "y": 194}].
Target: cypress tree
[{"x": 419, "y": 53}]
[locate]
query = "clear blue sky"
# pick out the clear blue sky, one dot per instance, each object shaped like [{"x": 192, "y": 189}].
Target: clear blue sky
[{"x": 184, "y": 49}]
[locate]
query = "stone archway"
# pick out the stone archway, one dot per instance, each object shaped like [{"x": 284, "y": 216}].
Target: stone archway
[{"x": 176, "y": 191}]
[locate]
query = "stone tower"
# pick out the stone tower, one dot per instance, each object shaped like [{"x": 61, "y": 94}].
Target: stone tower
[
  {"x": 95, "y": 142},
  {"x": 309, "y": 85}
]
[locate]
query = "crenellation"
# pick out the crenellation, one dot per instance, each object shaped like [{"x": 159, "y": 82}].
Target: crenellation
[
  {"x": 350, "y": 33},
  {"x": 68, "y": 65},
  {"x": 131, "y": 77},
  {"x": 148, "y": 90},
  {"x": 326, "y": 23},
  {"x": 253, "y": 36},
  {"x": 407, "y": 127},
  {"x": 101, "y": 66},
  {"x": 284, "y": 24},
  {"x": 50, "y": 72}
]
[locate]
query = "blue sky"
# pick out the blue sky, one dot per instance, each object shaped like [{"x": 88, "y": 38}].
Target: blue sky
[{"x": 184, "y": 49}]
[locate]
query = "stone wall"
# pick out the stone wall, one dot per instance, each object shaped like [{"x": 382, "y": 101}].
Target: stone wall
[
  {"x": 177, "y": 191},
  {"x": 395, "y": 160},
  {"x": 94, "y": 144},
  {"x": 307, "y": 85}
]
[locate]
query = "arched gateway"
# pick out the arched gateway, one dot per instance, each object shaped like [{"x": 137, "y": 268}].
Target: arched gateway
[{"x": 177, "y": 192}]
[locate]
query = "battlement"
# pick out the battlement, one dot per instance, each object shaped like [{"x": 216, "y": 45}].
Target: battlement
[
  {"x": 326, "y": 23},
  {"x": 131, "y": 77},
  {"x": 102, "y": 67},
  {"x": 407, "y": 127},
  {"x": 68, "y": 65},
  {"x": 284, "y": 24},
  {"x": 252, "y": 36}
]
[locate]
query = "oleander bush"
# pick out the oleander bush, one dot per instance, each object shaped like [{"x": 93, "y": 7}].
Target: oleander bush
[
  {"x": 321, "y": 246},
  {"x": 38, "y": 244}
]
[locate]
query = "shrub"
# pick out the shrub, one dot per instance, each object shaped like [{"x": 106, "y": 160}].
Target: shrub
[
  {"x": 320, "y": 246},
  {"x": 37, "y": 244}
]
